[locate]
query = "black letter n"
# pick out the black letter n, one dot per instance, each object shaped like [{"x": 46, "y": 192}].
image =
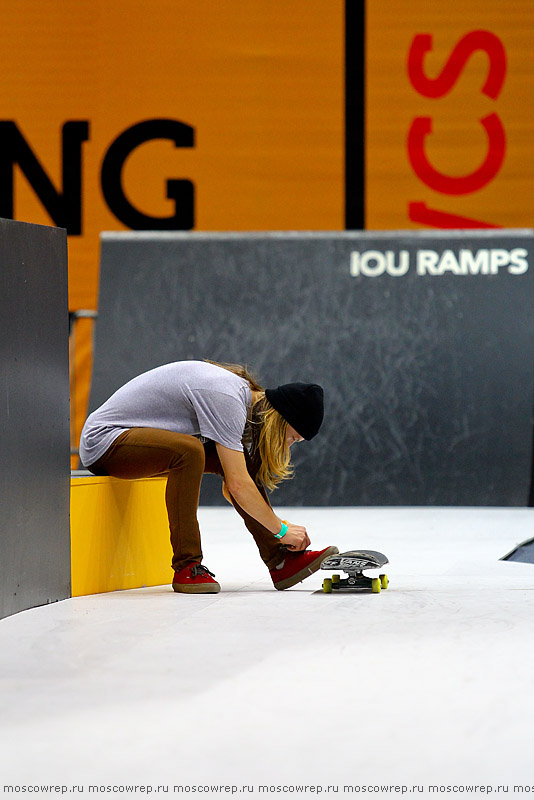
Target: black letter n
[{"x": 65, "y": 207}]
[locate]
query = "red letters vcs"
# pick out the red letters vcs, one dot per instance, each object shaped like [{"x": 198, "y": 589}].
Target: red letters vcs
[{"x": 422, "y": 127}]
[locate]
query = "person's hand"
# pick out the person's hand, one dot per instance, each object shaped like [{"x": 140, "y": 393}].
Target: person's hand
[{"x": 296, "y": 537}]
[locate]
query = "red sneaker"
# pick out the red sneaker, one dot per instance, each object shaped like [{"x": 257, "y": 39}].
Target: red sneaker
[
  {"x": 297, "y": 566},
  {"x": 195, "y": 579}
]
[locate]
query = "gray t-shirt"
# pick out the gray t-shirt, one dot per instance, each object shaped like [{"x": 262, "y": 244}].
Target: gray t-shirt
[{"x": 186, "y": 397}]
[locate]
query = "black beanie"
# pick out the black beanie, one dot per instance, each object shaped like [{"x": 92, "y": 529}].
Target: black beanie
[{"x": 300, "y": 404}]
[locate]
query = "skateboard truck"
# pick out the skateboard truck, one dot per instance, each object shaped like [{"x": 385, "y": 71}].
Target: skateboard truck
[{"x": 353, "y": 562}]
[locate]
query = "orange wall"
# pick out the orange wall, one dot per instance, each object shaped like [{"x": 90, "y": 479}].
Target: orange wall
[
  {"x": 261, "y": 84},
  {"x": 478, "y": 64}
]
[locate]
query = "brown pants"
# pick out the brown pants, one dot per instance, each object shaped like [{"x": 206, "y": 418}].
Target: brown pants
[{"x": 148, "y": 453}]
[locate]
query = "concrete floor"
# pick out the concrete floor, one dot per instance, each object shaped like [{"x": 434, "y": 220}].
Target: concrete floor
[{"x": 428, "y": 683}]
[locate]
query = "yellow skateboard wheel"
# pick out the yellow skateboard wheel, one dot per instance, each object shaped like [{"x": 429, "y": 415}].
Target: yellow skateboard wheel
[
  {"x": 384, "y": 581},
  {"x": 327, "y": 585},
  {"x": 336, "y": 578},
  {"x": 375, "y": 586}
]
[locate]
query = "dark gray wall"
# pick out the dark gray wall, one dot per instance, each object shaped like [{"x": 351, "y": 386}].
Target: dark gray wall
[
  {"x": 34, "y": 417},
  {"x": 428, "y": 377}
]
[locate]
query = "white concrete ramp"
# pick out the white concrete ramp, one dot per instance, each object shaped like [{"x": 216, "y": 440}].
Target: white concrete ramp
[{"x": 428, "y": 684}]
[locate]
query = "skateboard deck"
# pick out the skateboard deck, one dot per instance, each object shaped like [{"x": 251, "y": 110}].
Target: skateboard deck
[{"x": 353, "y": 562}]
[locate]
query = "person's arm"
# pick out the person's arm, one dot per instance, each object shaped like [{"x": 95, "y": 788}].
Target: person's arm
[
  {"x": 226, "y": 493},
  {"x": 241, "y": 486}
]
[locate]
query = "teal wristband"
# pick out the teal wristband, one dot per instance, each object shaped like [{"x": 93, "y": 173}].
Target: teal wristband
[{"x": 283, "y": 531}]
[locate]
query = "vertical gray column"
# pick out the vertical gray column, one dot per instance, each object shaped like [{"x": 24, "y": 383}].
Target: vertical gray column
[{"x": 34, "y": 417}]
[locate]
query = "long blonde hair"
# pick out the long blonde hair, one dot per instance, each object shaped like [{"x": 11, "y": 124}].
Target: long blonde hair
[{"x": 265, "y": 434}]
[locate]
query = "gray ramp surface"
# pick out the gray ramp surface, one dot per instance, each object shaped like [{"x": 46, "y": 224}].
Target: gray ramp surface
[{"x": 429, "y": 682}]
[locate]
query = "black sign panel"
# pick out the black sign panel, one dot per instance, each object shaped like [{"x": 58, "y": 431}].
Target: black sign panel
[{"x": 424, "y": 343}]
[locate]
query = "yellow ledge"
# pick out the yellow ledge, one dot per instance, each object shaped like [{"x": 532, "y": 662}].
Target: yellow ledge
[{"x": 119, "y": 534}]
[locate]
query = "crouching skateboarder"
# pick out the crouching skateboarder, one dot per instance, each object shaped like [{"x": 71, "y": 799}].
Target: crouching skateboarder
[{"x": 191, "y": 417}]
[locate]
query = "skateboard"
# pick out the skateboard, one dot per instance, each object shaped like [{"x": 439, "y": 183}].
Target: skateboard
[{"x": 353, "y": 563}]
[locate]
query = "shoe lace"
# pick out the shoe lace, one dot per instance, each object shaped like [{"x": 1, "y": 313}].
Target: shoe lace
[{"x": 200, "y": 569}]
